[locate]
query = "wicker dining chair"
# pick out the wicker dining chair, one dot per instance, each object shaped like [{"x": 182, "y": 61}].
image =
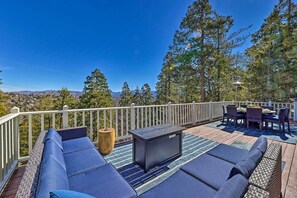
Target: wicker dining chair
[
  {"x": 224, "y": 114},
  {"x": 278, "y": 119},
  {"x": 233, "y": 115},
  {"x": 254, "y": 115}
]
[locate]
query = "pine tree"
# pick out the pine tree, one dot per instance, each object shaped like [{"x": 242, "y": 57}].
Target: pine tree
[
  {"x": 126, "y": 98},
  {"x": 137, "y": 97},
  {"x": 166, "y": 87},
  {"x": 65, "y": 98},
  {"x": 147, "y": 97},
  {"x": 273, "y": 69},
  {"x": 96, "y": 92}
]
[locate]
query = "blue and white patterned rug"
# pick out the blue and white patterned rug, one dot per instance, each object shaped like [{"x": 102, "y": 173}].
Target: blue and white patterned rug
[
  {"x": 121, "y": 159},
  {"x": 268, "y": 133}
]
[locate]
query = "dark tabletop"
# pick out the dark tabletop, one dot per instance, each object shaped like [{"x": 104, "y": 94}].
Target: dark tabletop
[{"x": 156, "y": 131}]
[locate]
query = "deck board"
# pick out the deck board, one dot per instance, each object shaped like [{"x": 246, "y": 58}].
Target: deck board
[{"x": 289, "y": 155}]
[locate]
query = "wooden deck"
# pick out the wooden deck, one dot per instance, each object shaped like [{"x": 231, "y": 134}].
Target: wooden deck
[{"x": 289, "y": 155}]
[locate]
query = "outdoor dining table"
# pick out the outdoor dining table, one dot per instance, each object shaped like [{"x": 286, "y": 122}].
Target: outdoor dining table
[{"x": 264, "y": 111}]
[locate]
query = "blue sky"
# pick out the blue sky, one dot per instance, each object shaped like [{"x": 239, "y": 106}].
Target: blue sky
[{"x": 54, "y": 44}]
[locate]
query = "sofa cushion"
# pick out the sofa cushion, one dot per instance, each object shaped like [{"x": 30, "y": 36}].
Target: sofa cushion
[
  {"x": 245, "y": 168},
  {"x": 77, "y": 144},
  {"x": 104, "y": 181},
  {"x": 228, "y": 153},
  {"x": 211, "y": 170},
  {"x": 52, "y": 177},
  {"x": 80, "y": 161},
  {"x": 255, "y": 155},
  {"x": 260, "y": 144},
  {"x": 53, "y": 135},
  {"x": 233, "y": 188},
  {"x": 180, "y": 184},
  {"x": 68, "y": 194},
  {"x": 53, "y": 150}
]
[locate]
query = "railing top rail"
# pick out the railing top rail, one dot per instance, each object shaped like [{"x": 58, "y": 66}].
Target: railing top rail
[
  {"x": 268, "y": 102},
  {"x": 105, "y": 108},
  {"x": 8, "y": 117}
]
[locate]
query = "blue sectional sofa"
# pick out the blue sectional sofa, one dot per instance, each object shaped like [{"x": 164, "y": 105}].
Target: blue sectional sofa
[
  {"x": 70, "y": 162},
  {"x": 221, "y": 172}
]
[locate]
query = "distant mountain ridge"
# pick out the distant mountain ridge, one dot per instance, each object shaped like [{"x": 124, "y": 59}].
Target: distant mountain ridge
[{"x": 114, "y": 94}]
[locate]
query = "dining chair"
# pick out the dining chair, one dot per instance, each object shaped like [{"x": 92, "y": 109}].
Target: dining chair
[
  {"x": 233, "y": 115},
  {"x": 254, "y": 115},
  {"x": 224, "y": 113},
  {"x": 280, "y": 119}
]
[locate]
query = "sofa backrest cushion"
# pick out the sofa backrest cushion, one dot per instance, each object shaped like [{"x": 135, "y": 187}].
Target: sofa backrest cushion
[
  {"x": 255, "y": 155},
  {"x": 260, "y": 144},
  {"x": 244, "y": 167},
  {"x": 52, "y": 177},
  {"x": 53, "y": 150},
  {"x": 52, "y": 134},
  {"x": 233, "y": 188},
  {"x": 68, "y": 194}
]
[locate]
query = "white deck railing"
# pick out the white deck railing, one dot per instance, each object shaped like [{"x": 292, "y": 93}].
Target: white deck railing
[{"x": 19, "y": 130}]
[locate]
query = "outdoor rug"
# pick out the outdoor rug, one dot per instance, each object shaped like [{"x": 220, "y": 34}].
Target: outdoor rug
[
  {"x": 121, "y": 159},
  {"x": 246, "y": 146},
  {"x": 268, "y": 133}
]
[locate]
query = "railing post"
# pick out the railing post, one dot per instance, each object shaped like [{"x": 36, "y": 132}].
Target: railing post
[
  {"x": 132, "y": 116},
  {"x": 65, "y": 117},
  {"x": 194, "y": 112},
  {"x": 16, "y": 133},
  {"x": 169, "y": 113},
  {"x": 269, "y": 103},
  {"x": 295, "y": 110},
  {"x": 210, "y": 110}
]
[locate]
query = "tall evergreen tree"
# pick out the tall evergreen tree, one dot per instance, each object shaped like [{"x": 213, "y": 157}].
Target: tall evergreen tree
[
  {"x": 65, "y": 98},
  {"x": 272, "y": 69},
  {"x": 137, "y": 97},
  {"x": 166, "y": 87},
  {"x": 96, "y": 92},
  {"x": 126, "y": 98},
  {"x": 147, "y": 97}
]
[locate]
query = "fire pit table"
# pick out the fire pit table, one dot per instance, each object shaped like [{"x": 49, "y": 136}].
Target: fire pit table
[{"x": 153, "y": 146}]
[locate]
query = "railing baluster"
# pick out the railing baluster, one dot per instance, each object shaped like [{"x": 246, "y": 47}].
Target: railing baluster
[
  {"x": 42, "y": 122},
  {"x": 91, "y": 126},
  {"x": 75, "y": 119},
  {"x": 116, "y": 123},
  {"x": 30, "y": 133},
  {"x": 145, "y": 116},
  {"x": 141, "y": 117},
  {"x": 83, "y": 118},
  {"x": 98, "y": 120},
  {"x": 54, "y": 120},
  {"x": 122, "y": 122},
  {"x": 104, "y": 118},
  {"x": 127, "y": 121},
  {"x": 110, "y": 118},
  {"x": 150, "y": 116},
  {"x": 137, "y": 118}
]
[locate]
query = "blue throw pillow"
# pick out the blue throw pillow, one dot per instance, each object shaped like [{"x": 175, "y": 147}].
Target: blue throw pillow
[
  {"x": 260, "y": 144},
  {"x": 233, "y": 188},
  {"x": 244, "y": 167},
  {"x": 68, "y": 194}
]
